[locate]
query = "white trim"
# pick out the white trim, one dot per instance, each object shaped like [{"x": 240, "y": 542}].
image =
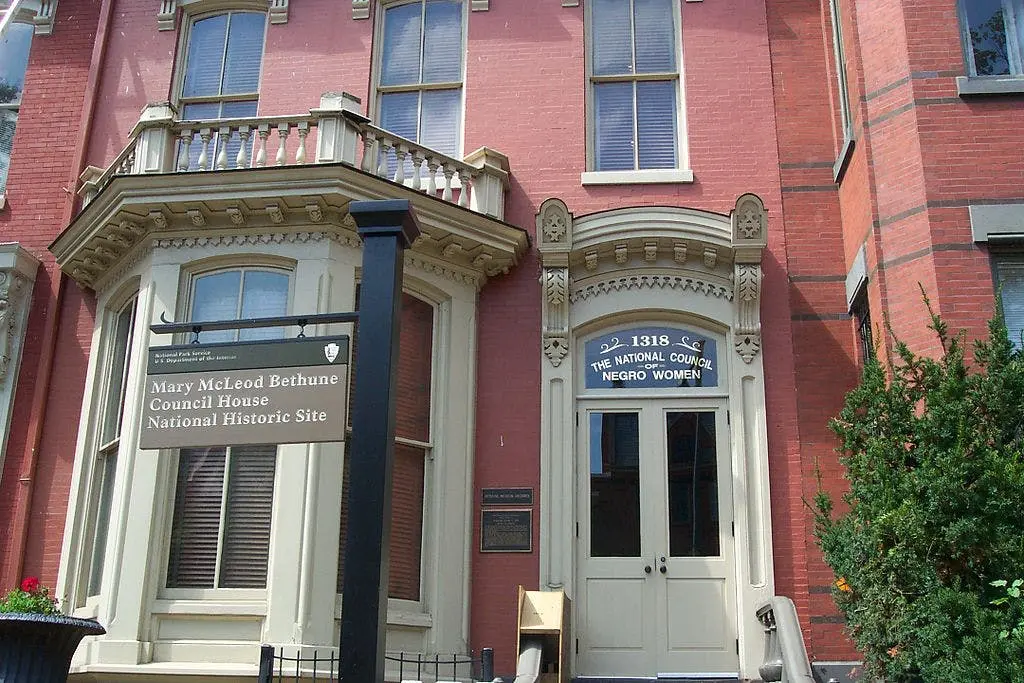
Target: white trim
[
  {"x": 997, "y": 222},
  {"x": 651, "y": 175}
]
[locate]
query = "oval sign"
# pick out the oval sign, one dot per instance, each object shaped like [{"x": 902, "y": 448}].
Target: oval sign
[{"x": 651, "y": 358}]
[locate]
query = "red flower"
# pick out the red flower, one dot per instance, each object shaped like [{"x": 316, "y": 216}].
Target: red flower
[{"x": 30, "y": 584}]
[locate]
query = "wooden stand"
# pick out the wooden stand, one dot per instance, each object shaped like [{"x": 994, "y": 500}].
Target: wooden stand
[{"x": 544, "y": 616}]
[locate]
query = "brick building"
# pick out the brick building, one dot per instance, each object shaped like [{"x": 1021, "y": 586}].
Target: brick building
[{"x": 658, "y": 235}]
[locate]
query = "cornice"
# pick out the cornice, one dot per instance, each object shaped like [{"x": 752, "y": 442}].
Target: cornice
[{"x": 230, "y": 208}]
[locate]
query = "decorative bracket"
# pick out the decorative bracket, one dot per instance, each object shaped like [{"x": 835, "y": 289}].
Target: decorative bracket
[
  {"x": 749, "y": 238},
  {"x": 554, "y": 234},
  {"x": 360, "y": 9}
]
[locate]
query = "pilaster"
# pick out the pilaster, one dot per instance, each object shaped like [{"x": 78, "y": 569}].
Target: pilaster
[{"x": 17, "y": 276}]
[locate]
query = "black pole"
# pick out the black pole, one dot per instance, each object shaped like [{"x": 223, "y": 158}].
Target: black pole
[{"x": 387, "y": 228}]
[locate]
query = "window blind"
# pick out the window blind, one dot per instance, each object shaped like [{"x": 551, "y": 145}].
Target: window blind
[
  {"x": 197, "y": 507},
  {"x": 613, "y": 121},
  {"x": 611, "y": 38},
  {"x": 1011, "y": 283},
  {"x": 244, "y": 54},
  {"x": 442, "y": 42},
  {"x": 8, "y": 122},
  {"x": 205, "y": 61},
  {"x": 656, "y": 123},
  {"x": 400, "y": 57},
  {"x": 250, "y": 501},
  {"x": 654, "y": 28}
]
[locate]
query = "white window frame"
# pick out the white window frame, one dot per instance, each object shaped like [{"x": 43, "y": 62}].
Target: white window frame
[
  {"x": 682, "y": 173},
  {"x": 378, "y": 66},
  {"x": 14, "y": 107},
  {"x": 414, "y": 612},
  {"x": 186, "y": 297}
]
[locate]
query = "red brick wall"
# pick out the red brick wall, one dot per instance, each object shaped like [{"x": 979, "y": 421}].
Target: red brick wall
[{"x": 38, "y": 194}]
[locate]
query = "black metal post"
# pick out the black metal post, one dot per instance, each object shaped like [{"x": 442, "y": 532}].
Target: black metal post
[
  {"x": 266, "y": 664},
  {"x": 487, "y": 664},
  {"x": 387, "y": 228}
]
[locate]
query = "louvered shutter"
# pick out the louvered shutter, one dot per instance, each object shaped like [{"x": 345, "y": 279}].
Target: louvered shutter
[
  {"x": 196, "y": 527},
  {"x": 250, "y": 502}
]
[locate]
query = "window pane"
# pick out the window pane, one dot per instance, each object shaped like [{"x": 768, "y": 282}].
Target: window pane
[
  {"x": 201, "y": 111},
  {"x": 656, "y": 123},
  {"x": 415, "y": 356},
  {"x": 215, "y": 297},
  {"x": 244, "y": 54},
  {"x": 399, "y": 113},
  {"x": 228, "y": 110},
  {"x": 442, "y": 43},
  {"x": 14, "y": 49},
  {"x": 196, "y": 525},
  {"x": 1011, "y": 283},
  {"x": 205, "y": 57},
  {"x": 613, "y": 119},
  {"x": 614, "y": 485},
  {"x": 264, "y": 294},
  {"x": 406, "y": 524},
  {"x": 655, "y": 29},
  {"x": 103, "y": 495},
  {"x": 250, "y": 501},
  {"x": 439, "y": 120},
  {"x": 610, "y": 37},
  {"x": 400, "y": 63},
  {"x": 8, "y": 122},
  {"x": 113, "y": 406},
  {"x": 988, "y": 36},
  {"x": 692, "y": 485}
]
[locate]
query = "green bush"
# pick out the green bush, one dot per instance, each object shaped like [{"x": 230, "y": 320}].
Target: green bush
[{"x": 934, "y": 513}]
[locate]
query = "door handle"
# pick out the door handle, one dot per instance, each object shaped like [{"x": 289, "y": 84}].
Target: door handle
[
  {"x": 647, "y": 569},
  {"x": 663, "y": 569}
]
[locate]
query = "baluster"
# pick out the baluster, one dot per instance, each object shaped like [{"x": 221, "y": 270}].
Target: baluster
[
  {"x": 223, "y": 137},
  {"x": 282, "y": 134},
  {"x": 400, "y": 152},
  {"x": 464, "y": 192},
  {"x": 242, "y": 158},
  {"x": 263, "y": 132},
  {"x": 204, "y": 153},
  {"x": 369, "y": 147},
  {"x": 300, "y": 153},
  {"x": 385, "y": 147},
  {"x": 432, "y": 164},
  {"x": 417, "y": 175},
  {"x": 184, "y": 151},
  {"x": 448, "y": 172}
]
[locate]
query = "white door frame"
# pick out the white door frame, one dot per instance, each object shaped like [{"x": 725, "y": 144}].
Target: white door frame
[{"x": 663, "y": 266}]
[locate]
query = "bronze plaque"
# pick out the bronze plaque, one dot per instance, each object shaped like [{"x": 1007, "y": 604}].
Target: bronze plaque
[
  {"x": 214, "y": 396},
  {"x": 506, "y": 531}
]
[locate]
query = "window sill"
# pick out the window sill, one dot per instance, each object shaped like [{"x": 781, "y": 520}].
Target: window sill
[
  {"x": 989, "y": 85},
  {"x": 839, "y": 168},
  {"x": 211, "y": 607},
  {"x": 654, "y": 175}
]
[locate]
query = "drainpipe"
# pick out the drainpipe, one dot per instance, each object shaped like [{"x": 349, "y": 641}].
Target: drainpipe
[{"x": 27, "y": 480}]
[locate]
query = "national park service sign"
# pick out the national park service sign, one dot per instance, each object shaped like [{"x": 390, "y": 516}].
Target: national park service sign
[{"x": 265, "y": 392}]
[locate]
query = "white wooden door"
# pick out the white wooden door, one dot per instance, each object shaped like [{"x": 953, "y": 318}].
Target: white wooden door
[{"x": 655, "y": 540}]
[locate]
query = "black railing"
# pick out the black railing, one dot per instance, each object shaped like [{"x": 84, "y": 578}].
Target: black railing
[{"x": 277, "y": 667}]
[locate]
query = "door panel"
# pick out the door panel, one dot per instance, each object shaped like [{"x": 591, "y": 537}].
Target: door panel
[{"x": 655, "y": 555}]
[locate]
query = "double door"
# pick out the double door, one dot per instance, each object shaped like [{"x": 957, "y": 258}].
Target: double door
[{"x": 655, "y": 558}]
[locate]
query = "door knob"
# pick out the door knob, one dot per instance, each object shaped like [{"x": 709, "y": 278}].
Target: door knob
[
  {"x": 647, "y": 569},
  {"x": 663, "y": 569}
]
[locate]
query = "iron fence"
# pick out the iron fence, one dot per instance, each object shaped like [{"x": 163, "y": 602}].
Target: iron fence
[{"x": 278, "y": 667}]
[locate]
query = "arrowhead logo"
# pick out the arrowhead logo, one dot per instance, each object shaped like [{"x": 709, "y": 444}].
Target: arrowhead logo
[{"x": 331, "y": 352}]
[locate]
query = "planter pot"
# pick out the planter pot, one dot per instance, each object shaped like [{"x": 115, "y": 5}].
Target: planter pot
[{"x": 36, "y": 648}]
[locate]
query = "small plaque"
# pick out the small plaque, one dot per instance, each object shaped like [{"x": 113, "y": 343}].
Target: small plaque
[
  {"x": 506, "y": 531},
  {"x": 515, "y": 496}
]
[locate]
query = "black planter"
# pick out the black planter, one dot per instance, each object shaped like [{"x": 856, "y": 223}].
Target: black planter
[{"x": 36, "y": 648}]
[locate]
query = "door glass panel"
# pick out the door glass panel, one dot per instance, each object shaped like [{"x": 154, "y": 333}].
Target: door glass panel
[
  {"x": 614, "y": 484},
  {"x": 692, "y": 484}
]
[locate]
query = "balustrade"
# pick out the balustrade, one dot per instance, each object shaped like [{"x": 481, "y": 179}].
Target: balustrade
[{"x": 338, "y": 133}]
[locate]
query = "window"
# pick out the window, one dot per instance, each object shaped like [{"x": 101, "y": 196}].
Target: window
[
  {"x": 994, "y": 36},
  {"x": 109, "y": 439},
  {"x": 1010, "y": 276},
  {"x": 14, "y": 48},
  {"x": 840, "y": 54},
  {"x": 412, "y": 448},
  {"x": 220, "y": 532},
  {"x": 634, "y": 85},
  {"x": 222, "y": 71},
  {"x": 420, "y": 83},
  {"x": 862, "y": 319}
]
